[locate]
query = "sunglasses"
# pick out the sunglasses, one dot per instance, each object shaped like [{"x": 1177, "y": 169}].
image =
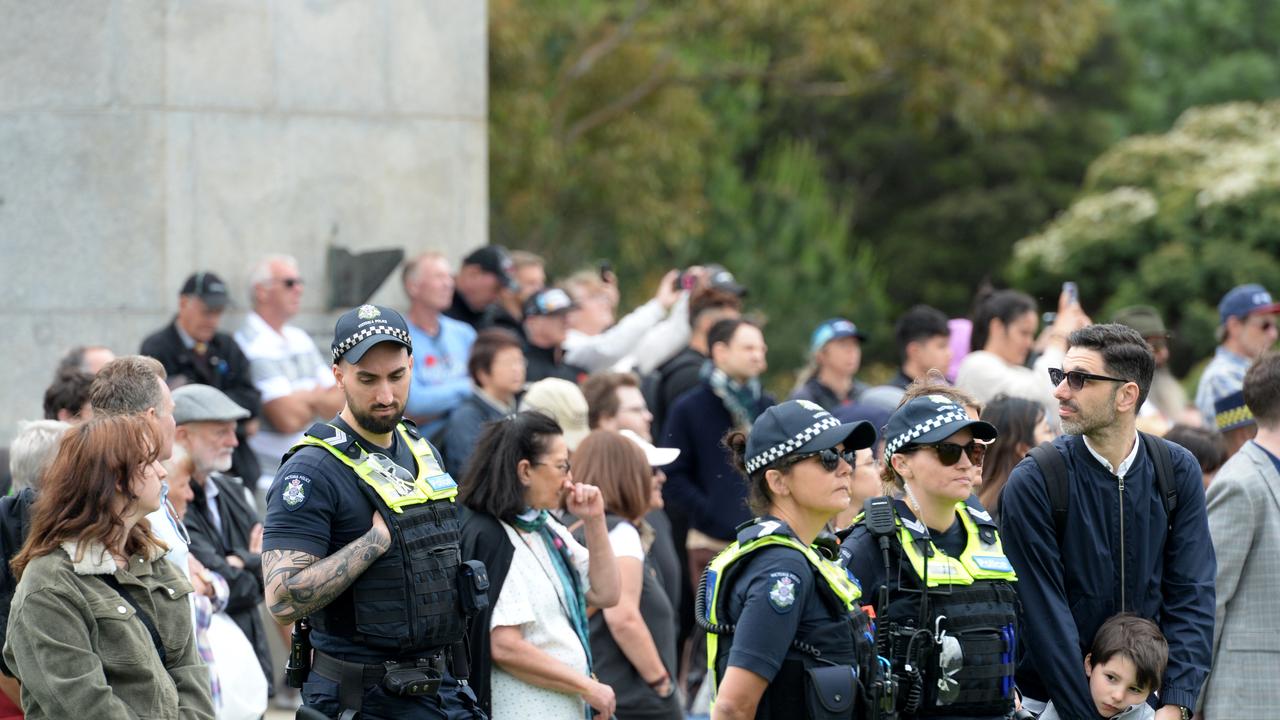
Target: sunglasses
[
  {"x": 1076, "y": 379},
  {"x": 830, "y": 458},
  {"x": 949, "y": 453},
  {"x": 291, "y": 283}
]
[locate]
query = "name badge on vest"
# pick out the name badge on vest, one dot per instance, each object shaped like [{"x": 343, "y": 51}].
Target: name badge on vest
[
  {"x": 938, "y": 568},
  {"x": 443, "y": 481},
  {"x": 992, "y": 563}
]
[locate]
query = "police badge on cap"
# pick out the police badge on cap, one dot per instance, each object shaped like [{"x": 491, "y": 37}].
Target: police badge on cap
[{"x": 362, "y": 328}]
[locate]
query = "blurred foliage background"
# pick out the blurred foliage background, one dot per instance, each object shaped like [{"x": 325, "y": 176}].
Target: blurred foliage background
[{"x": 855, "y": 157}]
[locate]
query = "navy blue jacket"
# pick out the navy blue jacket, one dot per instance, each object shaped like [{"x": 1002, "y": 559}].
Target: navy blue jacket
[
  {"x": 1068, "y": 592},
  {"x": 702, "y": 481}
]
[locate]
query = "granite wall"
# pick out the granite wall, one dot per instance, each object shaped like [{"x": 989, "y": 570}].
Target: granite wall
[{"x": 141, "y": 140}]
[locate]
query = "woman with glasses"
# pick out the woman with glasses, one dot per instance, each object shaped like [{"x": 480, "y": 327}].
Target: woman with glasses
[
  {"x": 531, "y": 656},
  {"x": 783, "y": 621},
  {"x": 931, "y": 565}
]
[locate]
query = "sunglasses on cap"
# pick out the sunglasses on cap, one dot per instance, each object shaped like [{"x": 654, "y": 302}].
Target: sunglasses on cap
[
  {"x": 830, "y": 458},
  {"x": 949, "y": 453},
  {"x": 1076, "y": 379}
]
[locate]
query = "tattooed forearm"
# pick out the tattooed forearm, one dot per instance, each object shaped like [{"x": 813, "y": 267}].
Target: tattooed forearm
[{"x": 298, "y": 583}]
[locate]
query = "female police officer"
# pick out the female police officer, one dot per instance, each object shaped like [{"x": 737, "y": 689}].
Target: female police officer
[
  {"x": 781, "y": 619},
  {"x": 948, "y": 623}
]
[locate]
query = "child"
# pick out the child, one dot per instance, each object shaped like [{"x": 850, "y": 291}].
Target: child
[{"x": 1124, "y": 667}]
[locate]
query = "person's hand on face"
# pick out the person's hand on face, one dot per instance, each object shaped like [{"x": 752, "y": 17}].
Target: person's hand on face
[{"x": 584, "y": 501}]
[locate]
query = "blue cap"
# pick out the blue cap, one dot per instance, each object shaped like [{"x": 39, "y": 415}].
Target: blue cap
[
  {"x": 930, "y": 419},
  {"x": 360, "y": 329},
  {"x": 1230, "y": 412},
  {"x": 833, "y": 329},
  {"x": 1244, "y": 300},
  {"x": 797, "y": 427}
]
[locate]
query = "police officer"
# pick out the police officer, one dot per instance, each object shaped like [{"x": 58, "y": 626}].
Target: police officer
[
  {"x": 945, "y": 604},
  {"x": 361, "y": 539},
  {"x": 782, "y": 619}
]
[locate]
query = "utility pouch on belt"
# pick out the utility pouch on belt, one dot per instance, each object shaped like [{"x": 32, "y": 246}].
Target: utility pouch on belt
[
  {"x": 473, "y": 587},
  {"x": 829, "y": 692},
  {"x": 411, "y": 679}
]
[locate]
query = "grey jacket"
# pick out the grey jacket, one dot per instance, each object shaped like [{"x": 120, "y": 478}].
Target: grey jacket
[
  {"x": 81, "y": 652},
  {"x": 1244, "y": 520}
]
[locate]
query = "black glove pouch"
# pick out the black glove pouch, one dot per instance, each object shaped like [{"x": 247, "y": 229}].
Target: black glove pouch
[
  {"x": 830, "y": 691},
  {"x": 411, "y": 680}
]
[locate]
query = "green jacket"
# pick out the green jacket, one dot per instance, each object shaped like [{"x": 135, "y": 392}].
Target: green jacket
[{"x": 80, "y": 652}]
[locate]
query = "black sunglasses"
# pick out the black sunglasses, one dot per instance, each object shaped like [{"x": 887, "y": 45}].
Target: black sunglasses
[
  {"x": 1076, "y": 379},
  {"x": 949, "y": 453},
  {"x": 830, "y": 458}
]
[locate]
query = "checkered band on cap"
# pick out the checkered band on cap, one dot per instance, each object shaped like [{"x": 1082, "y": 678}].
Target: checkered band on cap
[
  {"x": 948, "y": 414},
  {"x": 1233, "y": 418},
  {"x": 377, "y": 329},
  {"x": 782, "y": 449}
]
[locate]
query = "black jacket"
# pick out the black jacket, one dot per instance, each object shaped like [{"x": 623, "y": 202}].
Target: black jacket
[
  {"x": 212, "y": 547},
  {"x": 227, "y": 370},
  {"x": 484, "y": 539},
  {"x": 544, "y": 363},
  {"x": 15, "y": 520}
]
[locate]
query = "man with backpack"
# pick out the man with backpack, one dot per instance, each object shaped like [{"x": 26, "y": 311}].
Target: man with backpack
[{"x": 1107, "y": 520}]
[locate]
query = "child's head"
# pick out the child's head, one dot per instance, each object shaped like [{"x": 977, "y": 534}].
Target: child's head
[{"x": 1126, "y": 663}]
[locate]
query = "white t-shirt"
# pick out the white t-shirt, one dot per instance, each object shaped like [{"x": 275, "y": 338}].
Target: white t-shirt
[
  {"x": 280, "y": 364},
  {"x": 625, "y": 541},
  {"x": 532, "y": 599}
]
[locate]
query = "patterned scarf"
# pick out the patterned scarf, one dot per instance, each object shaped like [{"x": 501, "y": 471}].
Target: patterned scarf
[
  {"x": 740, "y": 400},
  {"x": 535, "y": 522}
]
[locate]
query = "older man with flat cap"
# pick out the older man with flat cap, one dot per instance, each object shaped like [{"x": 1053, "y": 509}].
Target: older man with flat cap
[
  {"x": 221, "y": 519},
  {"x": 362, "y": 539}
]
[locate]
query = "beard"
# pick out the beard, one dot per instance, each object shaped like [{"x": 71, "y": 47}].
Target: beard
[
  {"x": 373, "y": 423},
  {"x": 1086, "y": 423}
]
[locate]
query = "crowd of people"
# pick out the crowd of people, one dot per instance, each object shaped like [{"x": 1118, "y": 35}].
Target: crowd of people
[{"x": 512, "y": 500}]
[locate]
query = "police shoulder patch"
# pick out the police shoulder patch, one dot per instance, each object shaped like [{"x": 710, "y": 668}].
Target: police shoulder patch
[
  {"x": 297, "y": 489},
  {"x": 782, "y": 591}
]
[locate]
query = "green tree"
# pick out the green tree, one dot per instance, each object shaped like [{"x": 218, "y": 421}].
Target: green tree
[{"x": 1172, "y": 220}]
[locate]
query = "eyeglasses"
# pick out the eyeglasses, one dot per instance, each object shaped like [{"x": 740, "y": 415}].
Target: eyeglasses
[
  {"x": 563, "y": 467},
  {"x": 830, "y": 458},
  {"x": 1076, "y": 379},
  {"x": 949, "y": 453}
]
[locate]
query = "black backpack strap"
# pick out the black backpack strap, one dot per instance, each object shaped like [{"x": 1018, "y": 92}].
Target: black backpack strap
[
  {"x": 1158, "y": 449},
  {"x": 1054, "y": 470},
  {"x": 146, "y": 620}
]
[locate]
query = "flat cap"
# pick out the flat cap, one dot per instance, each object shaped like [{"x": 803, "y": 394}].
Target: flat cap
[{"x": 204, "y": 403}]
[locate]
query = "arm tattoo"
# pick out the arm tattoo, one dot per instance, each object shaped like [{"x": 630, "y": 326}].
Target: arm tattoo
[{"x": 298, "y": 583}]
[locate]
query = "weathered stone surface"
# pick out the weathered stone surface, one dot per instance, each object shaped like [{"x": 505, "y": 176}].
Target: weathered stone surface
[
  {"x": 53, "y": 53},
  {"x": 219, "y": 54},
  {"x": 146, "y": 139},
  {"x": 83, "y": 211},
  {"x": 438, "y": 57},
  {"x": 331, "y": 56},
  {"x": 137, "y": 52}
]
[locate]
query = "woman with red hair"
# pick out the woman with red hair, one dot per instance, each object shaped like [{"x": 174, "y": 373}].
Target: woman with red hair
[{"x": 101, "y": 624}]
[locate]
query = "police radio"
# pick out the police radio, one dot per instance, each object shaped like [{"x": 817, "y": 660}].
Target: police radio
[{"x": 878, "y": 517}]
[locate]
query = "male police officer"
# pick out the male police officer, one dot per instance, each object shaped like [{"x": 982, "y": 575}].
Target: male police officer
[{"x": 361, "y": 537}]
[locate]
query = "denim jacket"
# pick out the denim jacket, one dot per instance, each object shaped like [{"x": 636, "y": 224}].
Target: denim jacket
[{"x": 79, "y": 650}]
